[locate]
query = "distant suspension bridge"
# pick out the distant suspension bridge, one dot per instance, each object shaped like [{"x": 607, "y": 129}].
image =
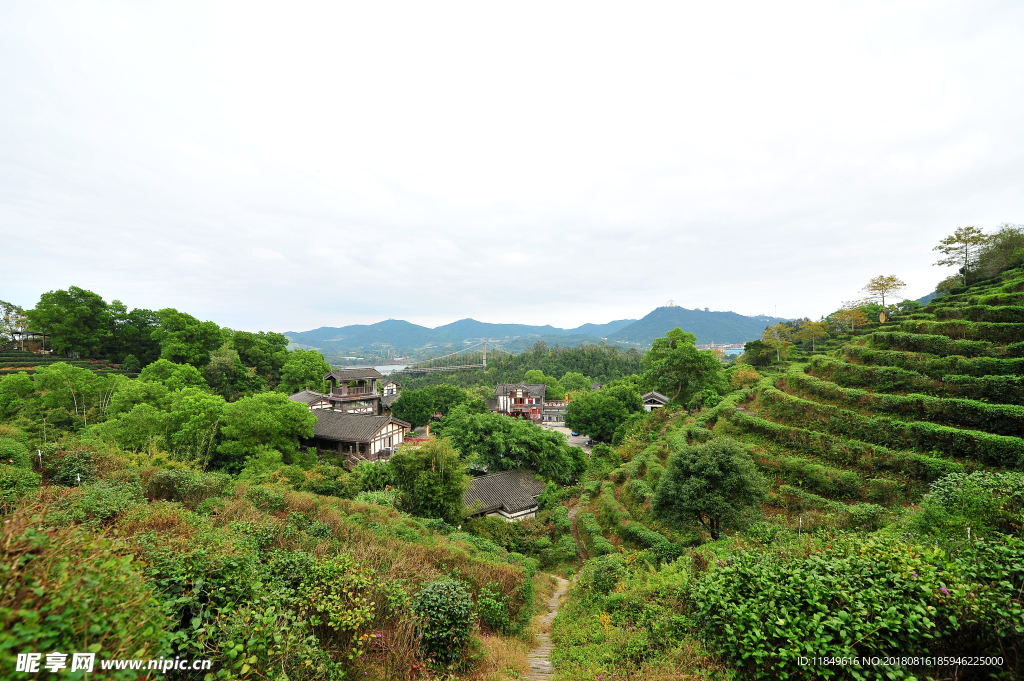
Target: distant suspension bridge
[{"x": 470, "y": 357}]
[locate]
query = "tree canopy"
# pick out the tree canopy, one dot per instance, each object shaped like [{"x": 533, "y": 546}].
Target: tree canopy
[
  {"x": 678, "y": 369},
  {"x": 431, "y": 479},
  {"x": 502, "y": 443},
  {"x": 600, "y": 413},
  {"x": 713, "y": 485}
]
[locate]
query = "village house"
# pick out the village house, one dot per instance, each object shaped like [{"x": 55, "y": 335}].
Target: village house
[
  {"x": 519, "y": 400},
  {"x": 354, "y": 391},
  {"x": 389, "y": 392},
  {"x": 313, "y": 400},
  {"x": 553, "y": 412},
  {"x": 356, "y": 437},
  {"x": 654, "y": 400},
  {"x": 510, "y": 495}
]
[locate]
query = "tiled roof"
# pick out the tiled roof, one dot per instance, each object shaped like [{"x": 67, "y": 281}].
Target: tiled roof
[
  {"x": 656, "y": 396},
  {"x": 307, "y": 397},
  {"x": 336, "y": 425},
  {"x": 354, "y": 374},
  {"x": 388, "y": 400},
  {"x": 532, "y": 389},
  {"x": 511, "y": 491}
]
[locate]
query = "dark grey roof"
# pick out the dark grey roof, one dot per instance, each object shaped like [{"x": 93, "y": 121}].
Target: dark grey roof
[
  {"x": 353, "y": 374},
  {"x": 596, "y": 386},
  {"x": 387, "y": 380},
  {"x": 511, "y": 491},
  {"x": 532, "y": 389},
  {"x": 307, "y": 397},
  {"x": 388, "y": 400},
  {"x": 336, "y": 425},
  {"x": 655, "y": 396}
]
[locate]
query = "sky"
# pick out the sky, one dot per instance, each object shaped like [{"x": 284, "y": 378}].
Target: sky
[{"x": 285, "y": 166}]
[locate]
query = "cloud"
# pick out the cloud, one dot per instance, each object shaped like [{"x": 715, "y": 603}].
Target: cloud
[{"x": 340, "y": 163}]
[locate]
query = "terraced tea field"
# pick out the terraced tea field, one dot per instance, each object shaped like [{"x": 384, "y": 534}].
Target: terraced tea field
[{"x": 13, "y": 361}]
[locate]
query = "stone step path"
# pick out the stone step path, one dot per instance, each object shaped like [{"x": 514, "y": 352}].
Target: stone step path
[{"x": 540, "y": 658}]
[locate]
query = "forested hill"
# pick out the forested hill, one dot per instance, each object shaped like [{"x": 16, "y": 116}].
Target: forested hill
[
  {"x": 404, "y": 334},
  {"x": 720, "y": 327}
]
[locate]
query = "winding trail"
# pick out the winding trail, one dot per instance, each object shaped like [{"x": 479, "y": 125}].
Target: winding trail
[{"x": 540, "y": 658}]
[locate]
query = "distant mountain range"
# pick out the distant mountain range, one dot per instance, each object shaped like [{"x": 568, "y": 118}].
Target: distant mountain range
[{"x": 707, "y": 326}]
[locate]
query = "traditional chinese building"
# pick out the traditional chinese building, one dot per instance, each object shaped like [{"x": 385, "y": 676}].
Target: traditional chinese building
[
  {"x": 354, "y": 391},
  {"x": 519, "y": 400},
  {"x": 357, "y": 437},
  {"x": 510, "y": 495},
  {"x": 654, "y": 400}
]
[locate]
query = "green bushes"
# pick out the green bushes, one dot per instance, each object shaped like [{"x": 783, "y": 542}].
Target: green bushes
[
  {"x": 832, "y": 482},
  {"x": 936, "y": 367},
  {"x": 933, "y": 345},
  {"x": 190, "y": 487},
  {"x": 843, "y": 451},
  {"x": 984, "y": 447},
  {"x": 445, "y": 612},
  {"x": 881, "y": 379},
  {"x": 560, "y": 519},
  {"x": 493, "y": 608},
  {"x": 1002, "y": 389},
  {"x": 995, "y": 418},
  {"x": 15, "y": 484},
  {"x": 594, "y": 542},
  {"x": 988, "y": 502},
  {"x": 99, "y": 503},
  {"x": 70, "y": 591},
  {"x": 978, "y": 331},
  {"x": 764, "y": 611},
  {"x": 982, "y": 313},
  {"x": 648, "y": 538}
]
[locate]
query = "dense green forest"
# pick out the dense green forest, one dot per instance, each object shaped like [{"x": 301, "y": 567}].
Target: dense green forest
[{"x": 848, "y": 489}]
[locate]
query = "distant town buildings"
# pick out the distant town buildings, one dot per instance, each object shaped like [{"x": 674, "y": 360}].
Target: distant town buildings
[{"x": 519, "y": 400}]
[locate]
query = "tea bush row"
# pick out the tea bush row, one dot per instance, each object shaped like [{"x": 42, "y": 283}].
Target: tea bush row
[
  {"x": 994, "y": 418},
  {"x": 593, "y": 540},
  {"x": 882, "y": 379},
  {"x": 867, "y": 457},
  {"x": 996, "y": 332},
  {"x": 863, "y": 597},
  {"x": 941, "y": 346},
  {"x": 936, "y": 367},
  {"x": 643, "y": 536},
  {"x": 984, "y": 447},
  {"x": 831, "y": 482},
  {"x": 982, "y": 313}
]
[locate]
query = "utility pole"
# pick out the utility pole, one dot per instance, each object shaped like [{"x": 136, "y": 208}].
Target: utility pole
[{"x": 485, "y": 354}]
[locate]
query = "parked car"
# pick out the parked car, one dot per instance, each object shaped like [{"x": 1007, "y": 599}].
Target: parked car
[{"x": 575, "y": 434}]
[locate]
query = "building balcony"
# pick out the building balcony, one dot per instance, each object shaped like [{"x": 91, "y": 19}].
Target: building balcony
[{"x": 345, "y": 391}]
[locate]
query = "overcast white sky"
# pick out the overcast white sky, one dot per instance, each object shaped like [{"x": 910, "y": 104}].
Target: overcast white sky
[{"x": 284, "y": 166}]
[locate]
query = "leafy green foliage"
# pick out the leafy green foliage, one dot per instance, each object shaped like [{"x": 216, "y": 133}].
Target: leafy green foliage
[
  {"x": 555, "y": 391},
  {"x": 445, "y": 611},
  {"x": 304, "y": 370},
  {"x": 184, "y": 339},
  {"x": 431, "y": 479},
  {"x": 503, "y": 443},
  {"x": 76, "y": 320},
  {"x": 600, "y": 413},
  {"x": 418, "y": 407},
  {"x": 263, "y": 420},
  {"x": 713, "y": 484},
  {"x": 678, "y": 369}
]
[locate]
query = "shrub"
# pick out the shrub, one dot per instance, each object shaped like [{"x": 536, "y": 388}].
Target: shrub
[
  {"x": 744, "y": 376},
  {"x": 331, "y": 481},
  {"x": 560, "y": 519},
  {"x": 70, "y": 591},
  {"x": 189, "y": 486},
  {"x": 265, "y": 499},
  {"x": 15, "y": 484},
  {"x": 765, "y": 610},
  {"x": 70, "y": 468},
  {"x": 985, "y": 501},
  {"x": 99, "y": 503},
  {"x": 648, "y": 538},
  {"x": 445, "y": 612},
  {"x": 493, "y": 608},
  {"x": 381, "y": 498},
  {"x": 883, "y": 490},
  {"x": 373, "y": 476},
  {"x": 14, "y": 453},
  {"x": 593, "y": 540}
]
